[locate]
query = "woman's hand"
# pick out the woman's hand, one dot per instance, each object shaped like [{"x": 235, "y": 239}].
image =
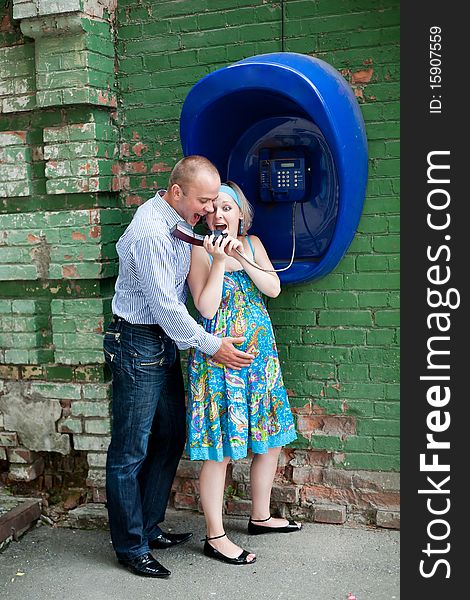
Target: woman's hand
[
  {"x": 222, "y": 246},
  {"x": 232, "y": 247}
]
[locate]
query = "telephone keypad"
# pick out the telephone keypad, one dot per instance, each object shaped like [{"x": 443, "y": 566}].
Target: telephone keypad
[{"x": 288, "y": 179}]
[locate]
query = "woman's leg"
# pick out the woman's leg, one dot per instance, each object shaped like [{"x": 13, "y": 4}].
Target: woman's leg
[
  {"x": 212, "y": 485},
  {"x": 263, "y": 470}
]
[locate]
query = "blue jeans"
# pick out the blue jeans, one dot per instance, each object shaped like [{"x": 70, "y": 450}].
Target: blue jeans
[{"x": 147, "y": 435}]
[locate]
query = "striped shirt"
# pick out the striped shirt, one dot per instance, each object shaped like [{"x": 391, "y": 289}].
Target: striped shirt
[{"x": 151, "y": 285}]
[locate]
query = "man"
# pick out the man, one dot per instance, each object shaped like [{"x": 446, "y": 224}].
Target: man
[{"x": 141, "y": 344}]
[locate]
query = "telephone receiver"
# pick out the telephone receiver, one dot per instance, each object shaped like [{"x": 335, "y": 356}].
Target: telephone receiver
[{"x": 183, "y": 232}]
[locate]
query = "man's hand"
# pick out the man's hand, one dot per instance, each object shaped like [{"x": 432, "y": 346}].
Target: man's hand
[{"x": 232, "y": 358}]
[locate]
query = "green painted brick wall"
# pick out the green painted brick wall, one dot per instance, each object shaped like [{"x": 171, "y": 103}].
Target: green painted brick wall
[
  {"x": 338, "y": 337},
  {"x": 59, "y": 221},
  {"x": 78, "y": 163}
]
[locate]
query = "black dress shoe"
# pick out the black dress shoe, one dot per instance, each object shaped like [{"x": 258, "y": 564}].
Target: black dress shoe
[
  {"x": 167, "y": 540},
  {"x": 211, "y": 552},
  {"x": 254, "y": 529},
  {"x": 146, "y": 566}
]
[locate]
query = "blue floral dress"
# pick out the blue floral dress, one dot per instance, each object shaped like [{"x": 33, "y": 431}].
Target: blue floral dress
[{"x": 231, "y": 411}]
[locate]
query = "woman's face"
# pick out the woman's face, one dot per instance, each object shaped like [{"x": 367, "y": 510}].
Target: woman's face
[{"x": 226, "y": 215}]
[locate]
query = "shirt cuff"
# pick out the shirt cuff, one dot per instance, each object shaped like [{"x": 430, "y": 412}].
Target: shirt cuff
[{"x": 210, "y": 344}]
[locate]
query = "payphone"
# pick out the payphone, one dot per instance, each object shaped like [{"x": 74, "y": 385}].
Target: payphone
[
  {"x": 281, "y": 175},
  {"x": 287, "y": 128}
]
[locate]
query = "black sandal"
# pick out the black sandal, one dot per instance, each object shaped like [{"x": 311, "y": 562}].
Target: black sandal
[
  {"x": 211, "y": 552},
  {"x": 259, "y": 529}
]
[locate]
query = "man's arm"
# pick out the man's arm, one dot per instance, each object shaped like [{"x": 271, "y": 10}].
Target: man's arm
[{"x": 154, "y": 260}]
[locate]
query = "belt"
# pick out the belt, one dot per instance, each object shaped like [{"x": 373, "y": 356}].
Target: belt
[{"x": 153, "y": 327}]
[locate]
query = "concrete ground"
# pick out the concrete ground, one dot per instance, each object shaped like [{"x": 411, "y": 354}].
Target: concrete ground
[{"x": 322, "y": 562}]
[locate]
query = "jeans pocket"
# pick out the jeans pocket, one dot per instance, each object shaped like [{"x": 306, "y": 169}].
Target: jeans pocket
[
  {"x": 152, "y": 361},
  {"x": 111, "y": 333},
  {"x": 148, "y": 348},
  {"x": 109, "y": 356},
  {"x": 152, "y": 357},
  {"x": 111, "y": 347},
  {"x": 150, "y": 351}
]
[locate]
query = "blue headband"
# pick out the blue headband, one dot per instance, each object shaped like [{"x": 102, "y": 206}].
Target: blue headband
[{"x": 226, "y": 189}]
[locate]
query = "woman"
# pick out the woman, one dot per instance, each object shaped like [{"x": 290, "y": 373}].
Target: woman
[{"x": 233, "y": 411}]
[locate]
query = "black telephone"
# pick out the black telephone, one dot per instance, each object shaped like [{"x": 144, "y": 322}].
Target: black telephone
[{"x": 183, "y": 232}]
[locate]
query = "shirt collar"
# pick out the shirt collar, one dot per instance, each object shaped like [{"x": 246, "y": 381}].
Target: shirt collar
[{"x": 169, "y": 213}]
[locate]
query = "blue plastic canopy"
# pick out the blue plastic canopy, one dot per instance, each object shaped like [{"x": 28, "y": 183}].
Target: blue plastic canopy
[{"x": 302, "y": 105}]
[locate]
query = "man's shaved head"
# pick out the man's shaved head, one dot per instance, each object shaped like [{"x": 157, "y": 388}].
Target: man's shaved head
[{"x": 189, "y": 168}]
